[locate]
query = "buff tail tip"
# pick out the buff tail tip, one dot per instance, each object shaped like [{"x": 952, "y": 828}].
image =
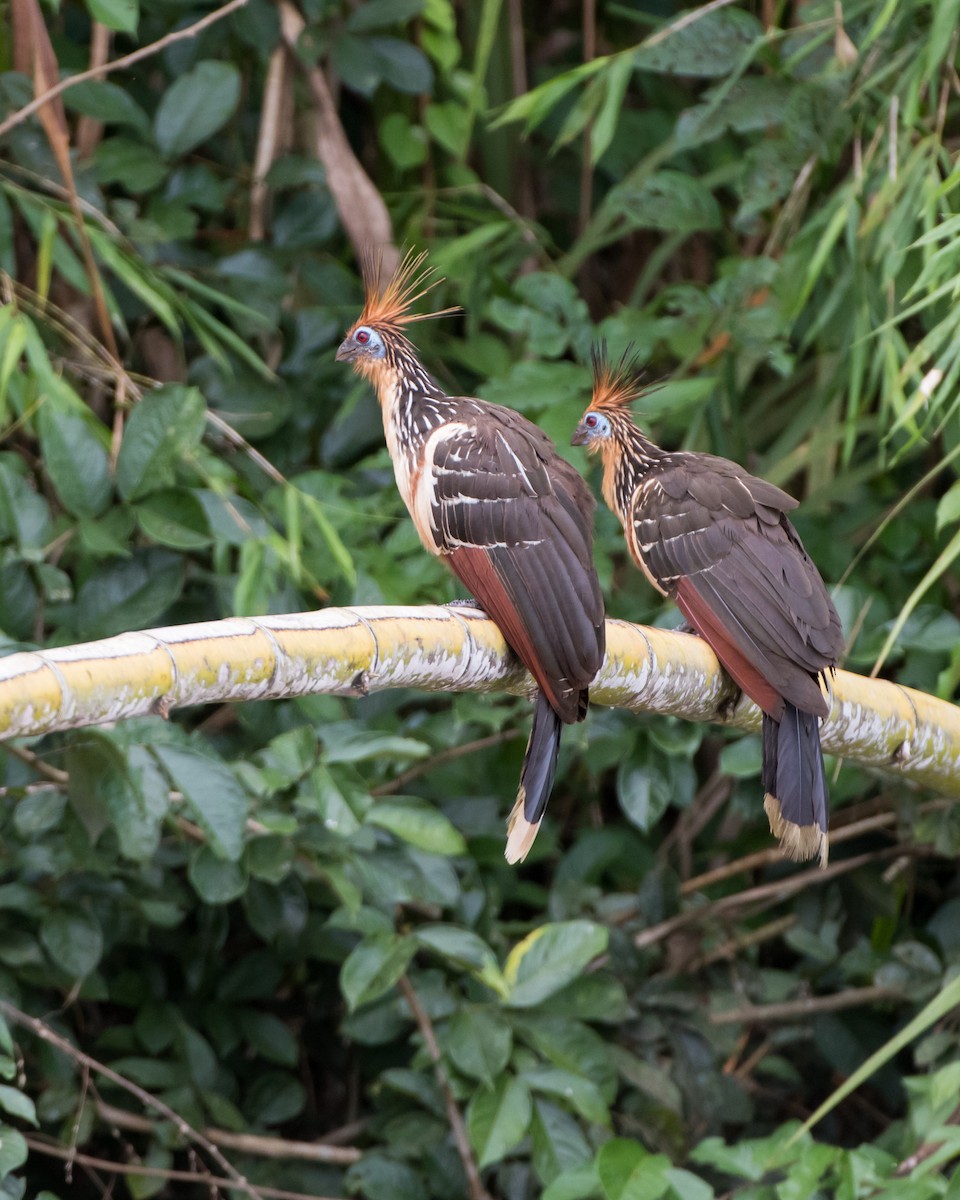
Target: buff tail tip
[
  {"x": 798, "y": 842},
  {"x": 521, "y": 833}
]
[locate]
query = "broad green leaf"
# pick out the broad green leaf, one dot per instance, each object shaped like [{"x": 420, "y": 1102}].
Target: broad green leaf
[
  {"x": 166, "y": 425},
  {"x": 580, "y": 1093},
  {"x": 478, "y": 1042},
  {"x": 557, "y": 1141},
  {"x": 708, "y": 46},
  {"x": 667, "y": 200},
  {"x": 379, "y": 14},
  {"x": 196, "y": 106},
  {"x": 215, "y": 880},
  {"x": 73, "y": 939},
  {"x": 684, "y": 1185},
  {"x": 422, "y": 827},
  {"x": 213, "y": 794},
  {"x": 498, "y": 1118},
  {"x": 75, "y": 458},
  {"x": 174, "y": 517},
  {"x": 122, "y": 15},
  {"x": 550, "y": 958},
  {"x": 108, "y": 785},
  {"x": 13, "y": 1150},
  {"x": 401, "y": 64},
  {"x": 580, "y": 1183},
  {"x": 275, "y": 1097},
  {"x": 629, "y": 1172},
  {"x": 377, "y": 1177},
  {"x": 16, "y": 1104},
  {"x": 107, "y": 102},
  {"x": 131, "y": 593},
  {"x": 466, "y": 949},
  {"x": 373, "y": 967},
  {"x": 135, "y": 165}
]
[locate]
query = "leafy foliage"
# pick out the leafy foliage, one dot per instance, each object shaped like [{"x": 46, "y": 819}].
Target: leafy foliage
[{"x": 294, "y": 918}]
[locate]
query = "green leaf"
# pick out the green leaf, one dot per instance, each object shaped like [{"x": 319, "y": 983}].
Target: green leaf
[
  {"x": 402, "y": 65},
  {"x": 164, "y": 427},
  {"x": 196, "y": 106},
  {"x": 176, "y": 518},
  {"x": 107, "y": 102},
  {"x": 130, "y": 594},
  {"x": 422, "y": 827},
  {"x": 75, "y": 458},
  {"x": 557, "y": 1142},
  {"x": 667, "y": 200},
  {"x": 684, "y": 1185},
  {"x": 498, "y": 1118},
  {"x": 580, "y": 1183},
  {"x": 376, "y": 1177},
  {"x": 550, "y": 958},
  {"x": 13, "y": 1150},
  {"x": 73, "y": 940},
  {"x": 214, "y": 880},
  {"x": 478, "y": 1042},
  {"x": 108, "y": 786},
  {"x": 580, "y": 1093},
  {"x": 121, "y": 15},
  {"x": 212, "y": 793},
  {"x": 629, "y": 1172},
  {"x": 466, "y": 949},
  {"x": 373, "y": 967},
  {"x": 134, "y": 165},
  {"x": 709, "y": 46},
  {"x": 16, "y": 1104},
  {"x": 378, "y": 14}
]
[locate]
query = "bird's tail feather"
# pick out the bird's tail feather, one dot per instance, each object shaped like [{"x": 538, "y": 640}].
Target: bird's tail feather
[
  {"x": 536, "y": 780},
  {"x": 795, "y": 783}
]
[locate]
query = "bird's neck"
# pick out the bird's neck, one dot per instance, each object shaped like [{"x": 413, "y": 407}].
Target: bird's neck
[
  {"x": 627, "y": 460},
  {"x": 411, "y": 402}
]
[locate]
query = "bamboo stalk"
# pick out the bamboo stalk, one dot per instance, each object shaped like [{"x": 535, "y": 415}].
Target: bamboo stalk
[{"x": 353, "y": 651}]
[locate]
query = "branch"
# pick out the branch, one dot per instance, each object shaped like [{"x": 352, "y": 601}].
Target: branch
[
  {"x": 353, "y": 651},
  {"x": 806, "y": 1007},
  {"x": 454, "y": 1116},
  {"x": 97, "y": 72},
  {"x": 43, "y": 1031}
]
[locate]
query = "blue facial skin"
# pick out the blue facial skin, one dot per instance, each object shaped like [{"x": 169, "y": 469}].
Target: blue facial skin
[
  {"x": 363, "y": 342},
  {"x": 593, "y": 428}
]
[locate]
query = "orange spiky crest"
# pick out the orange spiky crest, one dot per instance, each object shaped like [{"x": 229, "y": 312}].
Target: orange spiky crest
[
  {"x": 616, "y": 385},
  {"x": 387, "y": 305}
]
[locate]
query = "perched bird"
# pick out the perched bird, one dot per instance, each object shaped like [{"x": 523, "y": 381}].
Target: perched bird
[
  {"x": 490, "y": 495},
  {"x": 717, "y": 541}
]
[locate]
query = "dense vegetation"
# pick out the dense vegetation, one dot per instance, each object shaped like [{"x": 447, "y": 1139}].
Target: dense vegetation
[{"x": 294, "y": 919}]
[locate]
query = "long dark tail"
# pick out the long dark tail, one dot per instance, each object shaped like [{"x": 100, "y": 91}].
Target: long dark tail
[
  {"x": 536, "y": 780},
  {"x": 795, "y": 783}
]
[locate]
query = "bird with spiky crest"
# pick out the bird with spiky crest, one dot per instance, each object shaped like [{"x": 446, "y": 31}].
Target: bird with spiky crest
[
  {"x": 717, "y": 541},
  {"x": 490, "y": 495}
]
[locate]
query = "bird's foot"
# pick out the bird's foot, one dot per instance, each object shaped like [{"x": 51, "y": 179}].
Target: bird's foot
[
  {"x": 466, "y": 602},
  {"x": 726, "y": 707},
  {"x": 686, "y": 627}
]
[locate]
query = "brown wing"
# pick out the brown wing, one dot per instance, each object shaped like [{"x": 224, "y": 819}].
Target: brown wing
[
  {"x": 516, "y": 523},
  {"x": 718, "y": 540}
]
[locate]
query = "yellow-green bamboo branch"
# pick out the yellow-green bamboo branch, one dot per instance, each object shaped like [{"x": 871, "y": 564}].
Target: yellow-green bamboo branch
[{"x": 352, "y": 651}]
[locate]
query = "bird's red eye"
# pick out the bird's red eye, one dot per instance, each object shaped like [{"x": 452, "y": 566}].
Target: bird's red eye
[
  {"x": 362, "y": 336},
  {"x": 590, "y": 420}
]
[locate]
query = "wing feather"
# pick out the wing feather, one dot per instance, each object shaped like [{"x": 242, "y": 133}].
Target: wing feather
[
  {"x": 515, "y": 522},
  {"x": 718, "y": 540}
]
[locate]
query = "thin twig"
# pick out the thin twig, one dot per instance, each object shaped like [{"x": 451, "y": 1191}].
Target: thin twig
[
  {"x": 38, "y": 1146},
  {"x": 321, "y": 1150},
  {"x": 46, "y": 1034},
  {"x": 443, "y": 756},
  {"x": 454, "y": 1116},
  {"x": 118, "y": 64},
  {"x": 781, "y": 889},
  {"x": 806, "y": 1006},
  {"x": 36, "y": 763}
]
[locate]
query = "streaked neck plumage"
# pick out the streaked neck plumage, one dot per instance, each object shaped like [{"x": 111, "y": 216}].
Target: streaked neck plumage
[
  {"x": 628, "y": 456},
  {"x": 411, "y": 401}
]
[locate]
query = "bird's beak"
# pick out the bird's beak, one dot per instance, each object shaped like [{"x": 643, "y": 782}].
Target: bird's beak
[
  {"x": 580, "y": 436},
  {"x": 346, "y": 351}
]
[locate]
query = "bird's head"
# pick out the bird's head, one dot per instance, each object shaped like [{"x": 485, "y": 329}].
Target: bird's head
[
  {"x": 372, "y": 341},
  {"x": 363, "y": 345},
  {"x": 615, "y": 387}
]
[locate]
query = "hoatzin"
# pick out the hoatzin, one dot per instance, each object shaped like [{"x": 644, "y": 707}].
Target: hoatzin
[
  {"x": 490, "y": 495},
  {"x": 717, "y": 541}
]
